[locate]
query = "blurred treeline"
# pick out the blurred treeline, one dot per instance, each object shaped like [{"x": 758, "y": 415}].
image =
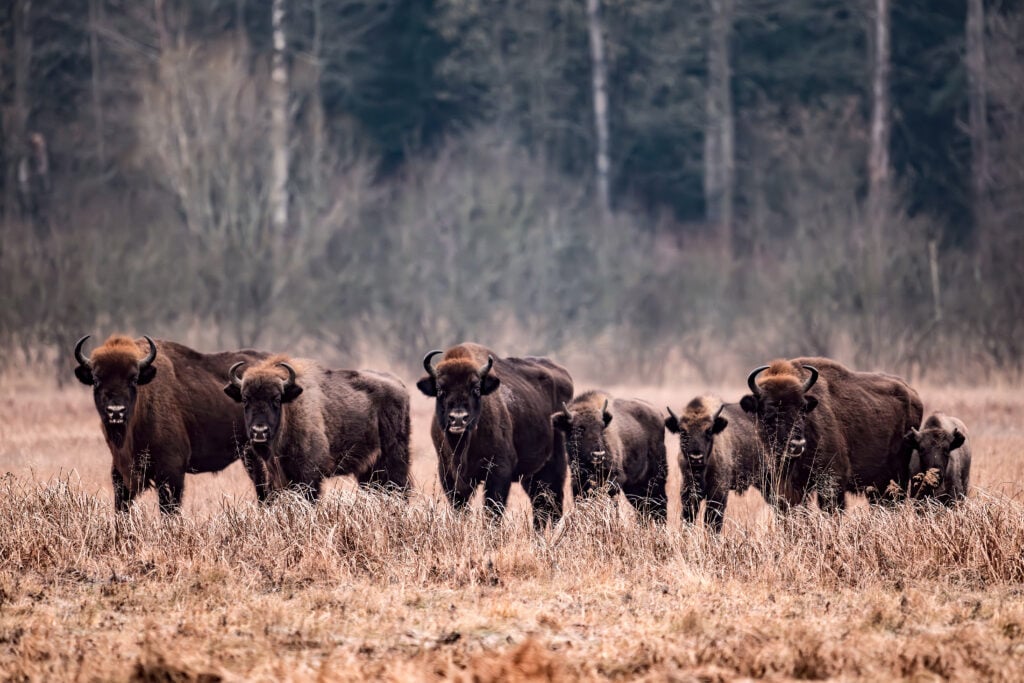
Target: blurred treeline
[{"x": 657, "y": 186}]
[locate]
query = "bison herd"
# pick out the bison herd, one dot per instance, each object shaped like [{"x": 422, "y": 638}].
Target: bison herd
[{"x": 808, "y": 426}]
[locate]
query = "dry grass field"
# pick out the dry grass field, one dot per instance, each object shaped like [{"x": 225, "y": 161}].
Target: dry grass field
[{"x": 366, "y": 587}]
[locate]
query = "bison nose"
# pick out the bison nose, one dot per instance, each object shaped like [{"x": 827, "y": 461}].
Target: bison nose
[
  {"x": 458, "y": 420},
  {"x": 259, "y": 433},
  {"x": 115, "y": 414}
]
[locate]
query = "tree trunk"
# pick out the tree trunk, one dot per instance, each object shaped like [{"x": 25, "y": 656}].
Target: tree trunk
[
  {"x": 16, "y": 119},
  {"x": 279, "y": 122},
  {"x": 978, "y": 120},
  {"x": 96, "y": 78},
  {"x": 719, "y": 146},
  {"x": 878, "y": 155},
  {"x": 600, "y": 77}
]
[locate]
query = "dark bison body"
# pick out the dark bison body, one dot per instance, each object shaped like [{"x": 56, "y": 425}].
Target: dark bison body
[
  {"x": 824, "y": 427},
  {"x": 616, "y": 444},
  {"x": 316, "y": 423},
  {"x": 493, "y": 425},
  {"x": 941, "y": 466},
  {"x": 163, "y": 414},
  {"x": 718, "y": 452}
]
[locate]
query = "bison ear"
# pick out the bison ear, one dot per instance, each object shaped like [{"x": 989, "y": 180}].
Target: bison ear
[
  {"x": 489, "y": 385},
  {"x": 720, "y": 424},
  {"x": 84, "y": 374},
  {"x": 561, "y": 421},
  {"x": 958, "y": 440},
  {"x": 749, "y": 404},
  {"x": 233, "y": 390},
  {"x": 146, "y": 375},
  {"x": 810, "y": 403},
  {"x": 607, "y": 418},
  {"x": 291, "y": 392},
  {"x": 428, "y": 386}
]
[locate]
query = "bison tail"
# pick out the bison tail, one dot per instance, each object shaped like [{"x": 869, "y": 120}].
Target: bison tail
[{"x": 394, "y": 426}]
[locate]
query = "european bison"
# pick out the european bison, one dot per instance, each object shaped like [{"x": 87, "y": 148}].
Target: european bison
[
  {"x": 163, "y": 415},
  {"x": 718, "y": 452},
  {"x": 942, "y": 466},
  {"x": 616, "y": 444},
  {"x": 493, "y": 425},
  {"x": 826, "y": 428},
  {"x": 318, "y": 423}
]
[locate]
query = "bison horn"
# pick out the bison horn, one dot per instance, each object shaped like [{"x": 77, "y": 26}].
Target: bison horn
[
  {"x": 232, "y": 377},
  {"x": 486, "y": 367},
  {"x": 150, "y": 357},
  {"x": 291, "y": 375},
  {"x": 812, "y": 379},
  {"x": 428, "y": 363},
  {"x": 671, "y": 414},
  {"x": 718, "y": 412},
  {"x": 565, "y": 409},
  {"x": 604, "y": 408},
  {"x": 751, "y": 380},
  {"x": 82, "y": 360}
]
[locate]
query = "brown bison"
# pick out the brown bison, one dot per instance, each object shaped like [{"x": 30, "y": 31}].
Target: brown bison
[
  {"x": 318, "y": 423},
  {"x": 616, "y": 444},
  {"x": 163, "y": 415},
  {"x": 826, "y": 428},
  {"x": 493, "y": 425},
  {"x": 718, "y": 452},
  {"x": 941, "y": 468}
]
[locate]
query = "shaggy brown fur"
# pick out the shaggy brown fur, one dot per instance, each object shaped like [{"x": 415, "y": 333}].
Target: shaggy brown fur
[
  {"x": 494, "y": 426},
  {"x": 718, "y": 453},
  {"x": 944, "y": 447},
  {"x": 329, "y": 423},
  {"x": 176, "y": 419},
  {"x": 616, "y": 443},
  {"x": 846, "y": 433}
]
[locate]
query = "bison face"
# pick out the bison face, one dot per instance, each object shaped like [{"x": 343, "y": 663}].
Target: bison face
[
  {"x": 933, "y": 448},
  {"x": 696, "y": 434},
  {"x": 262, "y": 396},
  {"x": 586, "y": 446},
  {"x": 115, "y": 378},
  {"x": 459, "y": 388},
  {"x": 781, "y": 409}
]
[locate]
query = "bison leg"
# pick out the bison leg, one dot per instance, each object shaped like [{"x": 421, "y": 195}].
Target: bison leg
[
  {"x": 123, "y": 496},
  {"x": 546, "y": 487},
  {"x": 714, "y": 510},
  {"x": 169, "y": 490},
  {"x": 650, "y": 498},
  {"x": 257, "y": 471},
  {"x": 392, "y": 468},
  {"x": 496, "y": 490}
]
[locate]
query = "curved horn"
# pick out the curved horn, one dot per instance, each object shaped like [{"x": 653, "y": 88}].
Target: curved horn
[
  {"x": 812, "y": 379},
  {"x": 751, "y": 380},
  {"x": 565, "y": 409},
  {"x": 486, "y": 367},
  {"x": 291, "y": 374},
  {"x": 82, "y": 360},
  {"x": 428, "y": 363},
  {"x": 604, "y": 408},
  {"x": 232, "y": 377},
  {"x": 671, "y": 414},
  {"x": 718, "y": 412},
  {"x": 150, "y": 357}
]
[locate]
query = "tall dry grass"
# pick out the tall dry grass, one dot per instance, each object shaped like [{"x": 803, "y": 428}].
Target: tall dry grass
[{"x": 368, "y": 586}]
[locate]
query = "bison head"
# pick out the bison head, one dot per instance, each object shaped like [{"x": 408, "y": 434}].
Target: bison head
[
  {"x": 781, "y": 404},
  {"x": 933, "y": 446},
  {"x": 115, "y": 372},
  {"x": 459, "y": 386},
  {"x": 696, "y": 429},
  {"x": 587, "y": 447},
  {"x": 262, "y": 392}
]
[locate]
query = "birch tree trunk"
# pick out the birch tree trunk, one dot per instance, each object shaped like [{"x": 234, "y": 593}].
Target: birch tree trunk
[
  {"x": 719, "y": 135},
  {"x": 600, "y": 77},
  {"x": 978, "y": 120},
  {"x": 878, "y": 155},
  {"x": 279, "y": 122}
]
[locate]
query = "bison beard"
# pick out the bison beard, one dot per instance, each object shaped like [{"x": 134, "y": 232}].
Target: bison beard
[
  {"x": 159, "y": 426},
  {"x": 491, "y": 436}
]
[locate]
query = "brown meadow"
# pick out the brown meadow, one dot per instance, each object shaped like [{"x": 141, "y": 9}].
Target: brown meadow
[{"x": 365, "y": 586}]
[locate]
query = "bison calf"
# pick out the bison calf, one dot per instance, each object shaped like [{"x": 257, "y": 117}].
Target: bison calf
[
  {"x": 718, "y": 452},
  {"x": 941, "y": 468},
  {"x": 318, "y": 423},
  {"x": 616, "y": 444}
]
